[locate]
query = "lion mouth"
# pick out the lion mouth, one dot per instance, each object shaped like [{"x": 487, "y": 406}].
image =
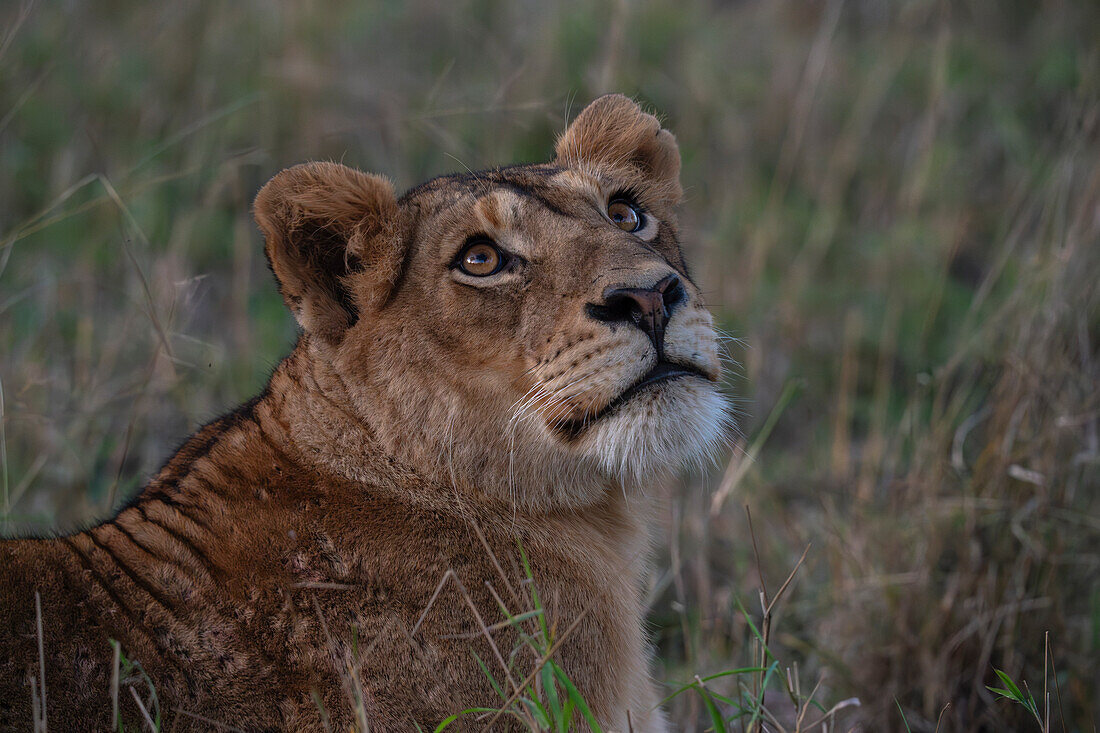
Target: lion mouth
[{"x": 663, "y": 371}]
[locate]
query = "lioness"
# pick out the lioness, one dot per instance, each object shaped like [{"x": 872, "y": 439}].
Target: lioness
[{"x": 491, "y": 370}]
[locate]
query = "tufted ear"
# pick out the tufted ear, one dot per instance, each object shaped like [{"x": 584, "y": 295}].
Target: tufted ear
[
  {"x": 332, "y": 241},
  {"x": 614, "y": 132}
]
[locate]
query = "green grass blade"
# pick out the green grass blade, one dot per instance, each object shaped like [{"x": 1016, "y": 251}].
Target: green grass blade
[
  {"x": 1012, "y": 688},
  {"x": 567, "y": 712},
  {"x": 752, "y": 627},
  {"x": 758, "y": 703},
  {"x": 690, "y": 685},
  {"x": 902, "y": 712},
  {"x": 488, "y": 674},
  {"x": 538, "y": 712},
  {"x": 550, "y": 691},
  {"x": 522, "y": 616},
  {"x": 712, "y": 709},
  {"x": 534, "y": 592},
  {"x": 730, "y": 702},
  {"x": 730, "y": 672},
  {"x": 452, "y": 718},
  {"x": 576, "y": 698}
]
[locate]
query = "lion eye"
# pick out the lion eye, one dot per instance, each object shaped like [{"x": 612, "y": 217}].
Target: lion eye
[
  {"x": 481, "y": 259},
  {"x": 624, "y": 216}
]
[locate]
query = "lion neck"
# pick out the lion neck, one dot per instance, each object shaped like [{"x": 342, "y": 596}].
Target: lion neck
[{"x": 324, "y": 422}]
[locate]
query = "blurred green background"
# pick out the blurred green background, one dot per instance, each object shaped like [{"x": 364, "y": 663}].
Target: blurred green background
[{"x": 894, "y": 205}]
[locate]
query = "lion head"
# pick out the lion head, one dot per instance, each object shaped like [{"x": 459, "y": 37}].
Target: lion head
[{"x": 530, "y": 332}]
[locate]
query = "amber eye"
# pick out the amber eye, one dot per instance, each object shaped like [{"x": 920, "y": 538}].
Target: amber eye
[
  {"x": 480, "y": 259},
  {"x": 624, "y": 216}
]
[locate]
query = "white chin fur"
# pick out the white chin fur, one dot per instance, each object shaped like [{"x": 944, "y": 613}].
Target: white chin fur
[{"x": 680, "y": 422}]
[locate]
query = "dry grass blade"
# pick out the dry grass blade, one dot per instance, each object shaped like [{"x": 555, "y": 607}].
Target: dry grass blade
[
  {"x": 4, "y": 455},
  {"x": 149, "y": 302},
  {"x": 787, "y": 582},
  {"x": 737, "y": 469},
  {"x": 7, "y": 246},
  {"x": 208, "y": 721},
  {"x": 756, "y": 554},
  {"x": 851, "y": 702},
  {"x": 804, "y": 705},
  {"x": 1046, "y": 694},
  {"x": 767, "y": 716},
  {"x": 144, "y": 713},
  {"x": 36, "y": 706},
  {"x": 498, "y": 626},
  {"x": 116, "y": 664},
  {"x": 40, "y": 723},
  {"x": 27, "y": 94},
  {"x": 112, "y": 492},
  {"x": 431, "y": 601},
  {"x": 939, "y": 718},
  {"x": 496, "y": 562},
  {"x": 319, "y": 585},
  {"x": 486, "y": 633},
  {"x": 1057, "y": 691},
  {"x": 12, "y": 31}
]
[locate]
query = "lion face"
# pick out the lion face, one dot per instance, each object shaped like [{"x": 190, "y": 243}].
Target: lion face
[{"x": 532, "y": 332}]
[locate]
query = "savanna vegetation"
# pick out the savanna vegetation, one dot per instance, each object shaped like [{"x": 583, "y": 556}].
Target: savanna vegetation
[{"x": 895, "y": 211}]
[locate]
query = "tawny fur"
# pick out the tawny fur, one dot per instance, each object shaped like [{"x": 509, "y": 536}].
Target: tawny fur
[{"x": 280, "y": 569}]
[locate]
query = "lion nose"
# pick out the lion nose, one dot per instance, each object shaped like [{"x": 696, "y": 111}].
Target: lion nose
[{"x": 647, "y": 308}]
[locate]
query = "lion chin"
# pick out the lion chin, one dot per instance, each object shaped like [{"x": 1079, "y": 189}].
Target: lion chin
[{"x": 666, "y": 426}]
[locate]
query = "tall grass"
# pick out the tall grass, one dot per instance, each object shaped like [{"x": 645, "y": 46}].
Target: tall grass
[{"x": 892, "y": 205}]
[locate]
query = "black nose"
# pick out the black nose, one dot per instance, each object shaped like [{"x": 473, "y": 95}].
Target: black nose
[{"x": 647, "y": 308}]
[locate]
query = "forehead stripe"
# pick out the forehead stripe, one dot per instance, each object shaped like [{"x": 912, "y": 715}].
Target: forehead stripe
[
  {"x": 484, "y": 182},
  {"x": 498, "y": 208},
  {"x": 531, "y": 193}
]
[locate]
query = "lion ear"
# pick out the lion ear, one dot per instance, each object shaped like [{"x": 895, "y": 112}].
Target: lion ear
[
  {"x": 331, "y": 240},
  {"x": 614, "y": 132}
]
